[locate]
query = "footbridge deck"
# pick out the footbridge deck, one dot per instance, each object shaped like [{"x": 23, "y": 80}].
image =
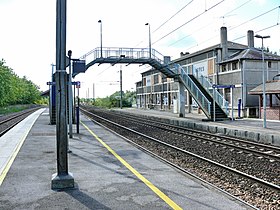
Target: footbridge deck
[{"x": 128, "y": 56}]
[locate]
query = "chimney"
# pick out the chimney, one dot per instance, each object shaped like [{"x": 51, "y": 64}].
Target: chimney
[
  {"x": 224, "y": 43},
  {"x": 250, "y": 38},
  {"x": 166, "y": 59}
]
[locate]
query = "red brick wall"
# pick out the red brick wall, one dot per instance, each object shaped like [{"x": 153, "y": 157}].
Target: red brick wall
[{"x": 272, "y": 113}]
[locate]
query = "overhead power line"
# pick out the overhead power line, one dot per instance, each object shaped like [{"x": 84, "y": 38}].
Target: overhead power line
[
  {"x": 173, "y": 15},
  {"x": 168, "y": 20},
  {"x": 255, "y": 17},
  {"x": 188, "y": 21},
  {"x": 226, "y": 14},
  {"x": 236, "y": 8},
  {"x": 243, "y": 24},
  {"x": 272, "y": 26}
]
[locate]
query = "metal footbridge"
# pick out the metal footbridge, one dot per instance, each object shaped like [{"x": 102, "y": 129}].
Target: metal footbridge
[
  {"x": 128, "y": 56},
  {"x": 209, "y": 99}
]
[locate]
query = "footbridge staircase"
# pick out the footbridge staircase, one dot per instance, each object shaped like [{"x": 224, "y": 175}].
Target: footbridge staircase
[{"x": 209, "y": 99}]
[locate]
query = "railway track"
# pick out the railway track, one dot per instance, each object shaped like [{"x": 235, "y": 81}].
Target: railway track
[
  {"x": 244, "y": 173},
  {"x": 7, "y": 122},
  {"x": 258, "y": 149}
]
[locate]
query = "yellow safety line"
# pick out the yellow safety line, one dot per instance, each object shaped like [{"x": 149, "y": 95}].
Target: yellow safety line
[
  {"x": 12, "y": 158},
  {"x": 164, "y": 197}
]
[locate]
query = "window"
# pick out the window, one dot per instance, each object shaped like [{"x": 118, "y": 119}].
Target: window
[
  {"x": 227, "y": 94},
  {"x": 269, "y": 64},
  {"x": 156, "y": 79},
  {"x": 144, "y": 81},
  {"x": 234, "y": 65},
  {"x": 224, "y": 67}
]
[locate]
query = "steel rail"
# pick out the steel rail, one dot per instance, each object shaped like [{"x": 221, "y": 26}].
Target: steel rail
[
  {"x": 159, "y": 125},
  {"x": 16, "y": 116},
  {"x": 258, "y": 180},
  {"x": 268, "y": 147}
]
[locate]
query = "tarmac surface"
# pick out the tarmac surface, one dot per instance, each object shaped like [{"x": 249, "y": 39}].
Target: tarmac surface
[{"x": 109, "y": 173}]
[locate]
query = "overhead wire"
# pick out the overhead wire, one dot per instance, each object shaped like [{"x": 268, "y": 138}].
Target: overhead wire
[
  {"x": 173, "y": 16},
  {"x": 272, "y": 26},
  {"x": 254, "y": 18},
  {"x": 211, "y": 23},
  {"x": 167, "y": 20},
  {"x": 192, "y": 19},
  {"x": 243, "y": 24},
  {"x": 236, "y": 8}
]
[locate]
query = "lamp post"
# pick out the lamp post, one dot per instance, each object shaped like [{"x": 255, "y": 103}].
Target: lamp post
[
  {"x": 121, "y": 93},
  {"x": 263, "y": 69},
  {"x": 99, "y": 21},
  {"x": 70, "y": 100},
  {"x": 150, "y": 44}
]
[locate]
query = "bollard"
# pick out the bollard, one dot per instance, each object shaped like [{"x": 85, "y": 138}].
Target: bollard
[{"x": 239, "y": 107}]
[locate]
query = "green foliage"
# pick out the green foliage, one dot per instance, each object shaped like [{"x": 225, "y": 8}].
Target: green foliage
[
  {"x": 128, "y": 99},
  {"x": 14, "y": 108},
  {"x": 16, "y": 90},
  {"x": 42, "y": 101}
]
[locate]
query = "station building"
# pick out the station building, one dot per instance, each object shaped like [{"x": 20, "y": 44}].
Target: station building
[{"x": 232, "y": 67}]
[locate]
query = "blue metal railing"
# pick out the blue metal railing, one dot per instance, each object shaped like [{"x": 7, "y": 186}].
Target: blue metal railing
[
  {"x": 192, "y": 87},
  {"x": 218, "y": 97},
  {"x": 116, "y": 52}
]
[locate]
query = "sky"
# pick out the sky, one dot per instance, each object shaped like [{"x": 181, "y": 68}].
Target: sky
[{"x": 27, "y": 36}]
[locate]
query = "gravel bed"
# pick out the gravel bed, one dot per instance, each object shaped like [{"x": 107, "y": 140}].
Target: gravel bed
[{"x": 245, "y": 189}]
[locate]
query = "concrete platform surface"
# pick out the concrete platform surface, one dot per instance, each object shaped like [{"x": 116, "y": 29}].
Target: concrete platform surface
[{"x": 109, "y": 173}]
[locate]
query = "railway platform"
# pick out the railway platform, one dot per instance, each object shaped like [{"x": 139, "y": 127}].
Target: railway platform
[
  {"x": 246, "y": 128},
  {"x": 109, "y": 173}
]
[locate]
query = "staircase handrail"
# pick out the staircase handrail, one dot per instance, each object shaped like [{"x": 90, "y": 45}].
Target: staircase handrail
[
  {"x": 205, "y": 103},
  {"x": 218, "y": 97}
]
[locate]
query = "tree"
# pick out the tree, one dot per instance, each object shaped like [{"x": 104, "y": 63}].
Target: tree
[
  {"x": 129, "y": 97},
  {"x": 16, "y": 90}
]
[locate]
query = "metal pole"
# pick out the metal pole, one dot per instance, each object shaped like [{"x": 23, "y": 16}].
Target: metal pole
[
  {"x": 78, "y": 112},
  {"x": 74, "y": 104},
  {"x": 93, "y": 91},
  {"x": 264, "y": 95},
  {"x": 150, "y": 43},
  {"x": 100, "y": 37},
  {"x": 232, "y": 118},
  {"x": 51, "y": 96},
  {"x": 121, "y": 86},
  {"x": 70, "y": 95},
  {"x": 263, "y": 74},
  {"x": 214, "y": 104},
  {"x": 62, "y": 179}
]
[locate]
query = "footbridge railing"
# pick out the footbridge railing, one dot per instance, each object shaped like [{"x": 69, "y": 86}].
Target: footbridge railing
[
  {"x": 120, "y": 53},
  {"x": 199, "y": 97},
  {"x": 219, "y": 98},
  {"x": 129, "y": 56}
]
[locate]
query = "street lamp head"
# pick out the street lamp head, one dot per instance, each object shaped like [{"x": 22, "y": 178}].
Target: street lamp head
[
  {"x": 99, "y": 21},
  {"x": 146, "y": 24},
  {"x": 261, "y": 37},
  {"x": 69, "y": 53}
]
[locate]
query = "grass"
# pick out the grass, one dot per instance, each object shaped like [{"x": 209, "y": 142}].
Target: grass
[{"x": 13, "y": 108}]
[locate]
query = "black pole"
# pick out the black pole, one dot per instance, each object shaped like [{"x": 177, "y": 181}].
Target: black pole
[
  {"x": 78, "y": 113},
  {"x": 62, "y": 179}
]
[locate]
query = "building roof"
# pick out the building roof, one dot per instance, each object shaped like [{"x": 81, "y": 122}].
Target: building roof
[
  {"x": 271, "y": 87},
  {"x": 252, "y": 54},
  {"x": 45, "y": 93},
  {"x": 231, "y": 46}
]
